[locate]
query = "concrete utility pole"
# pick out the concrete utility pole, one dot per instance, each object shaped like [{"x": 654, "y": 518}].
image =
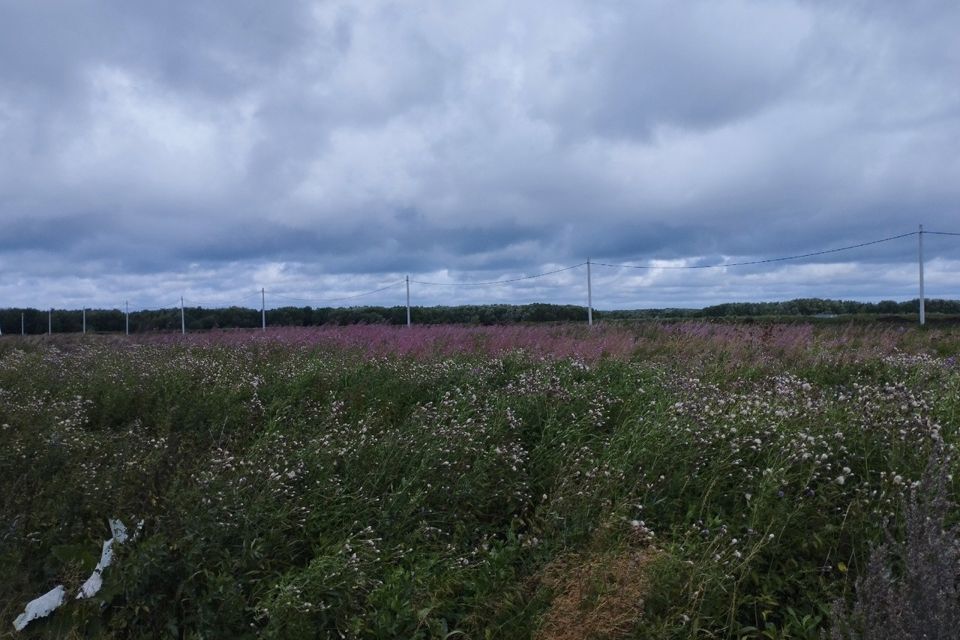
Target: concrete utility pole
[
  {"x": 84, "y": 312},
  {"x": 183, "y": 318},
  {"x": 23, "y": 325},
  {"x": 263, "y": 309},
  {"x": 50, "y": 321},
  {"x": 923, "y": 315},
  {"x": 589, "y": 296},
  {"x": 408, "y": 301},
  {"x": 126, "y": 313}
]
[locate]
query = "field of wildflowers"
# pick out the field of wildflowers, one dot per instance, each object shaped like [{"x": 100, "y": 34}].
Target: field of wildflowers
[{"x": 684, "y": 480}]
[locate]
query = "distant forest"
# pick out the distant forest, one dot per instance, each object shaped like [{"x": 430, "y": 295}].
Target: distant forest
[{"x": 111, "y": 320}]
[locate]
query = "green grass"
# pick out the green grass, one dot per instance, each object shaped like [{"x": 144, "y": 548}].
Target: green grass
[{"x": 290, "y": 490}]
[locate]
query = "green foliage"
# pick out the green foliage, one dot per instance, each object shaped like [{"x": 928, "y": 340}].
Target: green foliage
[
  {"x": 300, "y": 491},
  {"x": 39, "y": 321}
]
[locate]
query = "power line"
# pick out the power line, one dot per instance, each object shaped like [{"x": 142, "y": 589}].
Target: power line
[
  {"x": 220, "y": 305},
  {"x": 766, "y": 260},
  {"x": 203, "y": 303},
  {"x": 365, "y": 293},
  {"x": 136, "y": 309},
  {"x": 496, "y": 282},
  {"x": 283, "y": 297},
  {"x": 358, "y": 295}
]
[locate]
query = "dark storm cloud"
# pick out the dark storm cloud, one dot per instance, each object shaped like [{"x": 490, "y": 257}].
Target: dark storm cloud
[{"x": 214, "y": 146}]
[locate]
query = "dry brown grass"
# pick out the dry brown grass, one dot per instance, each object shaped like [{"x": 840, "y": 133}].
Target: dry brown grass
[{"x": 597, "y": 596}]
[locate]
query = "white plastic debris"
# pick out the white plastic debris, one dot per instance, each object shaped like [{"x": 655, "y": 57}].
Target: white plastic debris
[
  {"x": 118, "y": 530},
  {"x": 95, "y": 581},
  {"x": 48, "y": 602},
  {"x": 40, "y": 607}
]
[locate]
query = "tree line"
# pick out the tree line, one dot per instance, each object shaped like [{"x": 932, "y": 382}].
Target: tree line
[{"x": 35, "y": 321}]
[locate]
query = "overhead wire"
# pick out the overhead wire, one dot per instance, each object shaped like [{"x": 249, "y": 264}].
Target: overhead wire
[
  {"x": 208, "y": 304},
  {"x": 136, "y": 309},
  {"x": 221, "y": 304},
  {"x": 285, "y": 297},
  {"x": 350, "y": 297},
  {"x": 497, "y": 282},
  {"x": 764, "y": 261}
]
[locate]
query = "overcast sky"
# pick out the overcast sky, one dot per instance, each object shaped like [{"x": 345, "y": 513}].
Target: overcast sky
[{"x": 205, "y": 148}]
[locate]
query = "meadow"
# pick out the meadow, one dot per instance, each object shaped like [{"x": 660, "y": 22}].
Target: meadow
[{"x": 685, "y": 480}]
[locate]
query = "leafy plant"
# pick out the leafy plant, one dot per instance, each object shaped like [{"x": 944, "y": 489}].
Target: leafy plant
[{"x": 911, "y": 587}]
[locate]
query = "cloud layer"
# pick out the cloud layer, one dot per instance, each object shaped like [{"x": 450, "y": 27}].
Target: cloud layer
[{"x": 319, "y": 150}]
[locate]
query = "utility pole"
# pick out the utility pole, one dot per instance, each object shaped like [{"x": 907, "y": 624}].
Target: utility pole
[
  {"x": 84, "y": 311},
  {"x": 126, "y": 314},
  {"x": 923, "y": 315},
  {"x": 23, "y": 325},
  {"x": 263, "y": 309},
  {"x": 408, "y": 301},
  {"x": 183, "y": 318},
  {"x": 589, "y": 296},
  {"x": 50, "y": 321}
]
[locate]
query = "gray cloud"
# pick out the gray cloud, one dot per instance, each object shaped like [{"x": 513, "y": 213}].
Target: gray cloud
[{"x": 223, "y": 146}]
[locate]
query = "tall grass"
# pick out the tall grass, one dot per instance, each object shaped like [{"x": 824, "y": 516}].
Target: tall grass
[{"x": 379, "y": 482}]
